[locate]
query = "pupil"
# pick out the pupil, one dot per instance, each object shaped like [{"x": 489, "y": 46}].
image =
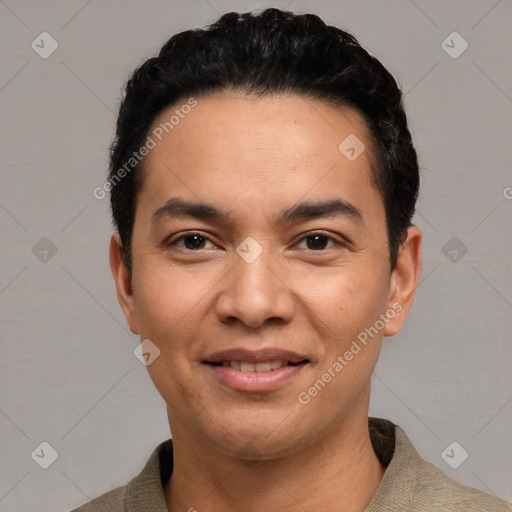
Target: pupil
[
  {"x": 197, "y": 241},
  {"x": 319, "y": 241}
]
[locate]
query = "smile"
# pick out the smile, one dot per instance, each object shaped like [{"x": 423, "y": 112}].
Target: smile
[
  {"x": 259, "y": 367},
  {"x": 255, "y": 371}
]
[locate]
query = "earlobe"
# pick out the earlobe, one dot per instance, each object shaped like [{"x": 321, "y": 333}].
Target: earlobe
[
  {"x": 404, "y": 280},
  {"x": 122, "y": 281}
]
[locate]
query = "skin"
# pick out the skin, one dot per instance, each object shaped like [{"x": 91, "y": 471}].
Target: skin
[{"x": 255, "y": 157}]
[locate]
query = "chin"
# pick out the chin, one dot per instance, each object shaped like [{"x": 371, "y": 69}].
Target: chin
[
  {"x": 250, "y": 440},
  {"x": 260, "y": 448}
]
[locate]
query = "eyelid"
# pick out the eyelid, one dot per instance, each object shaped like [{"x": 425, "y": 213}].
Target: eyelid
[
  {"x": 173, "y": 240},
  {"x": 321, "y": 232}
]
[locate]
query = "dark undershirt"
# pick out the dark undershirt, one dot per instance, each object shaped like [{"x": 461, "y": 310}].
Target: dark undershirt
[{"x": 382, "y": 436}]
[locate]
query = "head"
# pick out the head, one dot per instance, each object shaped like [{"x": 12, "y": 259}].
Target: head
[
  {"x": 274, "y": 52},
  {"x": 253, "y": 120}
]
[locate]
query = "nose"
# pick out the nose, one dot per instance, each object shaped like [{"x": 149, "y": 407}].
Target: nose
[{"x": 254, "y": 293}]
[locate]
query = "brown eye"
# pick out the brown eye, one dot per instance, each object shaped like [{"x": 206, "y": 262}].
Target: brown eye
[
  {"x": 190, "y": 242},
  {"x": 193, "y": 241},
  {"x": 317, "y": 242}
]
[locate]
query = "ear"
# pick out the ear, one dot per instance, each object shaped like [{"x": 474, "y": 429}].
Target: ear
[
  {"x": 123, "y": 282},
  {"x": 404, "y": 280}
]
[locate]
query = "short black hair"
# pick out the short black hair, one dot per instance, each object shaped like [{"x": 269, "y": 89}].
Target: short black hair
[{"x": 268, "y": 53}]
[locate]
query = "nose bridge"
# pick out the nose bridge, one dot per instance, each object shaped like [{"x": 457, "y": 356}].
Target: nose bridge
[{"x": 253, "y": 292}]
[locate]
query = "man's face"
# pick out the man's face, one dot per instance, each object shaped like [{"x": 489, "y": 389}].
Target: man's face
[{"x": 300, "y": 290}]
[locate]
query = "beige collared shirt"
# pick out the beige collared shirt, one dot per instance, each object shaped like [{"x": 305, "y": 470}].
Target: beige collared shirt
[{"x": 410, "y": 484}]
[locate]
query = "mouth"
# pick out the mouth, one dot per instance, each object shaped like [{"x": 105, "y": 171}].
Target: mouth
[
  {"x": 259, "y": 367},
  {"x": 256, "y": 371}
]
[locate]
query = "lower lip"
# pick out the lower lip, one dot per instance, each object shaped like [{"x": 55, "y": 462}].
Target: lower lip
[{"x": 256, "y": 382}]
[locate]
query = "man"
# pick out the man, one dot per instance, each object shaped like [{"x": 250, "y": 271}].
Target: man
[{"x": 263, "y": 182}]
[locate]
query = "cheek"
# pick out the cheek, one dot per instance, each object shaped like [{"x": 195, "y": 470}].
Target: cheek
[
  {"x": 346, "y": 299},
  {"x": 165, "y": 295},
  {"x": 170, "y": 304}
]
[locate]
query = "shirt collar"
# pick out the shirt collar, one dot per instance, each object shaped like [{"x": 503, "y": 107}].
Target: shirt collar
[{"x": 145, "y": 492}]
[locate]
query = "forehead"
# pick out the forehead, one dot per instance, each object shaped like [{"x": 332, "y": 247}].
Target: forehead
[
  {"x": 270, "y": 123},
  {"x": 269, "y": 150}
]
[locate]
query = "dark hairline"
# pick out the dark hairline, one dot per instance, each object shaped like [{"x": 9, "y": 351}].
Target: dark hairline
[{"x": 373, "y": 153}]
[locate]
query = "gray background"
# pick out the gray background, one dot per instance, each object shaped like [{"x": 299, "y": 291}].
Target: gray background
[{"x": 68, "y": 373}]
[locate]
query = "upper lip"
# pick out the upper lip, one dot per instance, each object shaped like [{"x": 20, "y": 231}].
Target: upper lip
[{"x": 255, "y": 356}]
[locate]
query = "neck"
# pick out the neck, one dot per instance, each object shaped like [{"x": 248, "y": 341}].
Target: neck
[{"x": 337, "y": 472}]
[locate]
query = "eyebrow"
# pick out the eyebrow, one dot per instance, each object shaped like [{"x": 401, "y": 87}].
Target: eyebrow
[{"x": 177, "y": 207}]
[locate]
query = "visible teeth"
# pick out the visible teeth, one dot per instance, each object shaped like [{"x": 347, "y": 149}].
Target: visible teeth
[
  {"x": 263, "y": 367},
  {"x": 247, "y": 367},
  {"x": 235, "y": 365}
]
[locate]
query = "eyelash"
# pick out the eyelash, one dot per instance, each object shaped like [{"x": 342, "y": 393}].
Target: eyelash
[{"x": 170, "y": 243}]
